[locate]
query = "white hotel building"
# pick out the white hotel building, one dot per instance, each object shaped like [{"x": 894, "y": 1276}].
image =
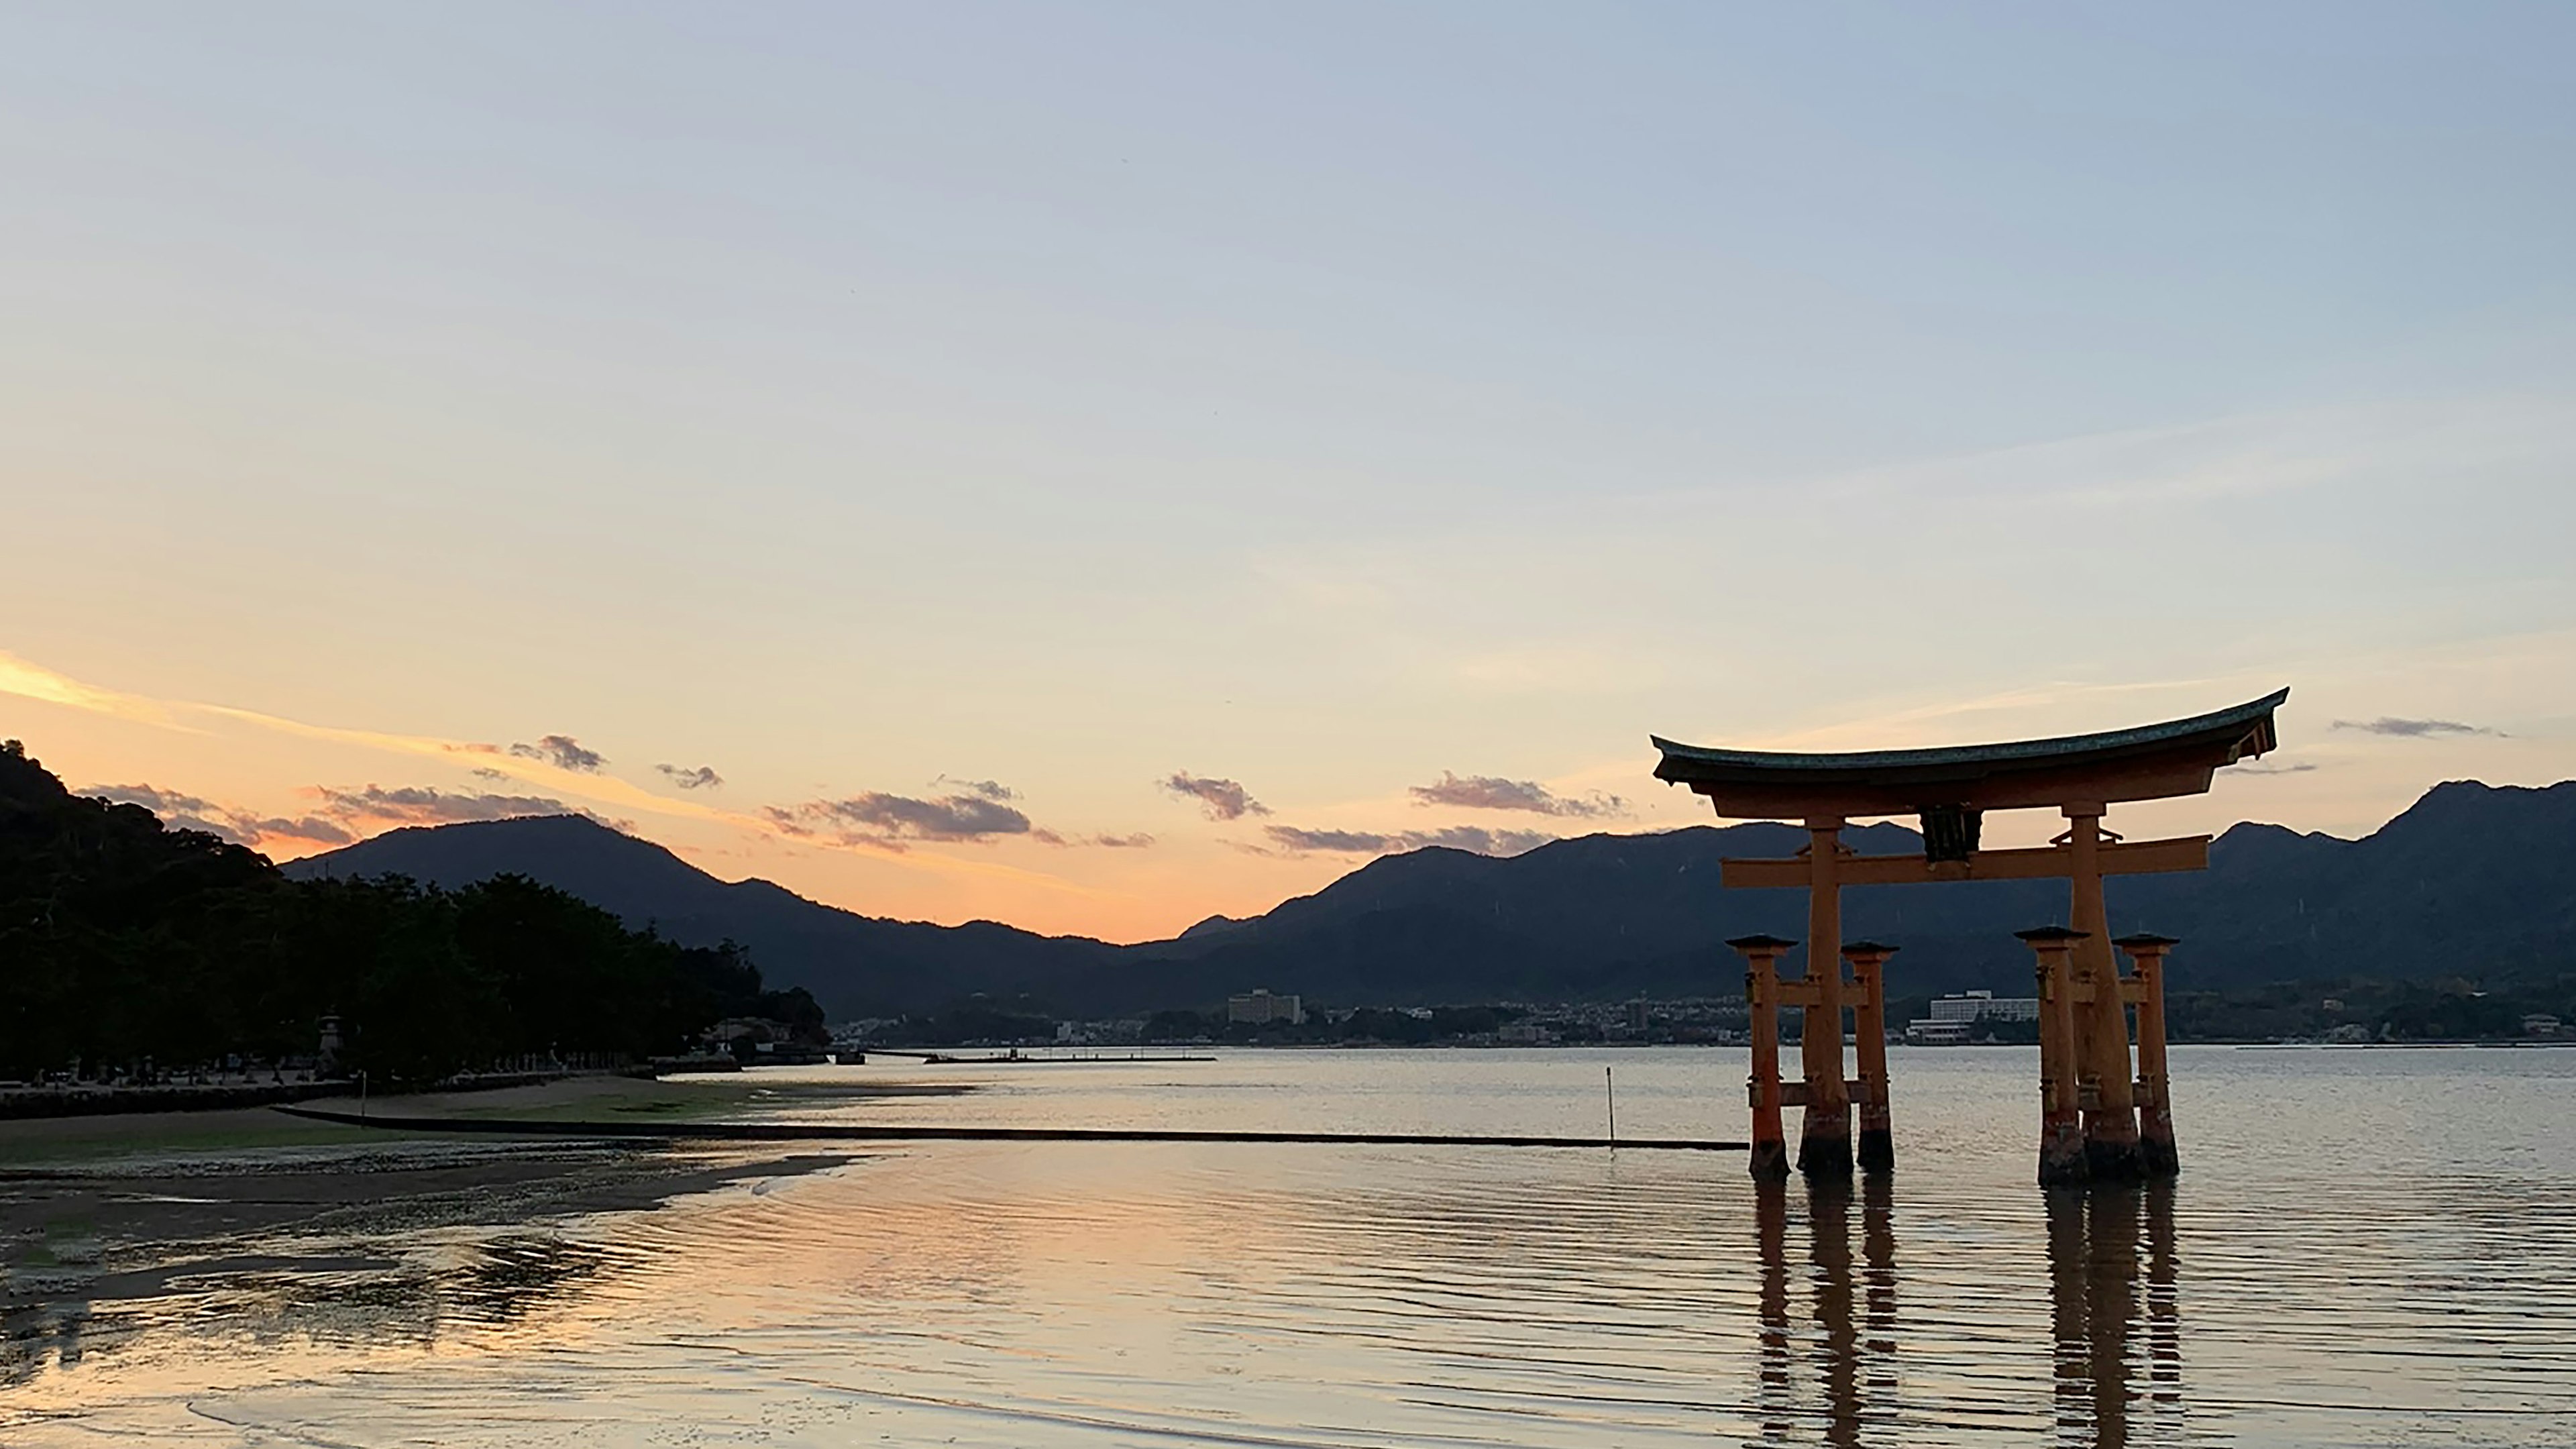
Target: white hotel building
[{"x": 1954, "y": 1018}]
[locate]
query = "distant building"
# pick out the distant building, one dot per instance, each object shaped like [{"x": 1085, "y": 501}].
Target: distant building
[
  {"x": 1260, "y": 1007},
  {"x": 1954, "y": 1018},
  {"x": 1640, "y": 1016},
  {"x": 1099, "y": 1033},
  {"x": 1985, "y": 1006},
  {"x": 2541, "y": 1023}
]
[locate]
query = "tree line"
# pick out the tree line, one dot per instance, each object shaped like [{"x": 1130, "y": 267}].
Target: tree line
[{"x": 124, "y": 942}]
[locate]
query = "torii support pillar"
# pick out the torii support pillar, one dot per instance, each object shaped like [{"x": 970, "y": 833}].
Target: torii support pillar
[
  {"x": 1876, "y": 1146},
  {"x": 2155, "y": 1094},
  {"x": 2110, "y": 1107},
  {"x": 1769, "y": 1159},
  {"x": 1824, "y": 1130},
  {"x": 2061, "y": 1127}
]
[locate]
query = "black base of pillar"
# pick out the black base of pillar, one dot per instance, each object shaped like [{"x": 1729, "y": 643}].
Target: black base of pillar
[
  {"x": 1877, "y": 1149},
  {"x": 1825, "y": 1155},
  {"x": 1769, "y": 1162},
  {"x": 2061, "y": 1158},
  {"x": 2159, "y": 1157},
  {"x": 2110, "y": 1160}
]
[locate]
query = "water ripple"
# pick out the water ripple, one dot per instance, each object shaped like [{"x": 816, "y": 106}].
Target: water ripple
[{"x": 2380, "y": 1260}]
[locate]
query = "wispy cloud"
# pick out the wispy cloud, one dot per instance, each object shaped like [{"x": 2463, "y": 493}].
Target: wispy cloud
[
  {"x": 428, "y": 805},
  {"x": 2413, "y": 729},
  {"x": 182, "y": 811},
  {"x": 311, "y": 829},
  {"x": 1492, "y": 792},
  {"x": 1221, "y": 799},
  {"x": 563, "y": 752},
  {"x": 32, "y": 681},
  {"x": 160, "y": 802},
  {"x": 1347, "y": 842},
  {"x": 893, "y": 822},
  {"x": 703, "y": 777},
  {"x": 1137, "y": 841},
  {"x": 2266, "y": 767},
  {"x": 973, "y": 812},
  {"x": 25, "y": 680},
  {"x": 2013, "y": 709},
  {"x": 1297, "y": 840}
]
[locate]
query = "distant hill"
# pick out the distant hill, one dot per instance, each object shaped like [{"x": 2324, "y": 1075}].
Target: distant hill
[
  {"x": 855, "y": 965},
  {"x": 2473, "y": 880}
]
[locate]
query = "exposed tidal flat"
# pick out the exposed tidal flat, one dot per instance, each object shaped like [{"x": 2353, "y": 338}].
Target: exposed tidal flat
[{"x": 2366, "y": 1248}]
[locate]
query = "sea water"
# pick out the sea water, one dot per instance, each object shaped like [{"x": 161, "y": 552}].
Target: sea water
[{"x": 2366, "y": 1247}]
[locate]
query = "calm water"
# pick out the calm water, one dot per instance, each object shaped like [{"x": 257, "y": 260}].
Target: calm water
[{"x": 2384, "y": 1254}]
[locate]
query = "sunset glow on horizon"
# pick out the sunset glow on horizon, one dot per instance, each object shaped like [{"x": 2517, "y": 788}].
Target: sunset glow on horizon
[{"x": 1098, "y": 469}]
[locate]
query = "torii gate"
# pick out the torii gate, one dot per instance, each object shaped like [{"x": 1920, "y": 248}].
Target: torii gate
[{"x": 2084, "y": 1031}]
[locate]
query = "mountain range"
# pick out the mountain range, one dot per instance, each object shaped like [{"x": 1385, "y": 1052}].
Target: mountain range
[{"x": 2472, "y": 880}]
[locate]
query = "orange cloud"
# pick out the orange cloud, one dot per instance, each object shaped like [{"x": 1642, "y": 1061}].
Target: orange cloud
[{"x": 33, "y": 681}]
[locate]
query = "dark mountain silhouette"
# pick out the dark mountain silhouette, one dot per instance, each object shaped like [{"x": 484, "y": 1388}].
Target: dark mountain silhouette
[
  {"x": 2473, "y": 881},
  {"x": 855, "y": 965}
]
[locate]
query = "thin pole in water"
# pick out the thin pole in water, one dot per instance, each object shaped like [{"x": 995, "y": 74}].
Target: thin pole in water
[{"x": 1611, "y": 1098}]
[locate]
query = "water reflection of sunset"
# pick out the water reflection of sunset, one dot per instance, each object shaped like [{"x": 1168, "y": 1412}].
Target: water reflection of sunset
[{"x": 1062, "y": 1294}]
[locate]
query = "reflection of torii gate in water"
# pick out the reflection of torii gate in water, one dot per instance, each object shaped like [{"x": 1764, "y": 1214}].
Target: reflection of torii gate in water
[
  {"x": 2113, "y": 1300},
  {"x": 2090, "y": 1105}
]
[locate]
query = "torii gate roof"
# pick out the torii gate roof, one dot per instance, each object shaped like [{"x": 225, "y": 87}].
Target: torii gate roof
[{"x": 2148, "y": 762}]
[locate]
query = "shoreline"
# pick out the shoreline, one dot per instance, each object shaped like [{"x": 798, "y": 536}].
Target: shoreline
[
  {"x": 215, "y": 1135},
  {"x": 22, "y": 1103},
  {"x": 98, "y": 1209},
  {"x": 79, "y": 1238}
]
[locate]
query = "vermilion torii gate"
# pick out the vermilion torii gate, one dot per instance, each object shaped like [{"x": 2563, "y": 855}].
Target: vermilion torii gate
[{"x": 2091, "y": 1106}]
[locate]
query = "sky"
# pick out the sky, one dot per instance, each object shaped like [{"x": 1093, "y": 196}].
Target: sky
[{"x": 1093, "y": 467}]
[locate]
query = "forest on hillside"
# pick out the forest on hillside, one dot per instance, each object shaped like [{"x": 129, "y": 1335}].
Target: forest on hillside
[{"x": 131, "y": 949}]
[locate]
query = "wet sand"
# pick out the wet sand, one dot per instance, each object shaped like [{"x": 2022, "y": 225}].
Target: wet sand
[
  {"x": 50, "y": 1142},
  {"x": 98, "y": 1214},
  {"x": 111, "y": 1207}
]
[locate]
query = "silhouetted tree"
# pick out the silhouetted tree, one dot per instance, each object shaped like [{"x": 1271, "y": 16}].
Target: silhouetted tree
[{"x": 122, "y": 940}]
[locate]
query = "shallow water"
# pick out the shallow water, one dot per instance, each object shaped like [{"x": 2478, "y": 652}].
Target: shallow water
[{"x": 2367, "y": 1248}]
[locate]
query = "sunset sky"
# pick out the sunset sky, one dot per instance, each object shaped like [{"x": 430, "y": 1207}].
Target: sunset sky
[{"x": 1095, "y": 466}]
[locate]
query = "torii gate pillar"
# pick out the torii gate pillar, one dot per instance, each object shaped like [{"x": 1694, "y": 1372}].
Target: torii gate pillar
[
  {"x": 2063, "y": 1160},
  {"x": 2101, "y": 1044},
  {"x": 1769, "y": 1160},
  {"x": 2155, "y": 1085},
  {"x": 1824, "y": 1131},
  {"x": 1876, "y": 1147}
]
